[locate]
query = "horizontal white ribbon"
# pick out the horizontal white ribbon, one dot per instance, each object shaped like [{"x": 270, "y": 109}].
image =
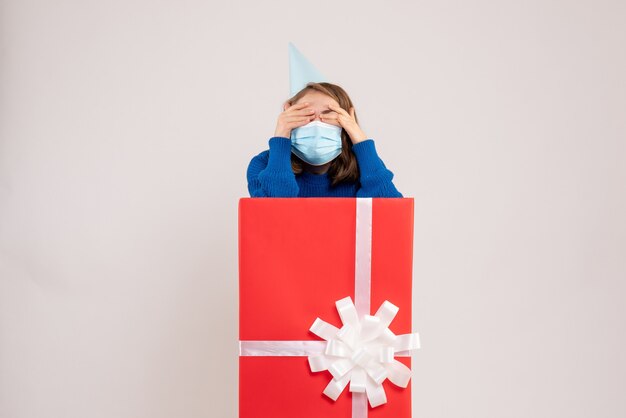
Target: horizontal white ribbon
[
  {"x": 251, "y": 348},
  {"x": 281, "y": 348}
]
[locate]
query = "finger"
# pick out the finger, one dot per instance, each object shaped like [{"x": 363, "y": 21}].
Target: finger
[
  {"x": 297, "y": 115},
  {"x": 297, "y": 124},
  {"x": 301, "y": 112},
  {"x": 298, "y": 119},
  {"x": 333, "y": 120},
  {"x": 337, "y": 109},
  {"x": 298, "y": 106},
  {"x": 329, "y": 116}
]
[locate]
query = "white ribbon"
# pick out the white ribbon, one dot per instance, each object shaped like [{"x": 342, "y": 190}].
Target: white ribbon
[
  {"x": 363, "y": 256},
  {"x": 361, "y": 352}
]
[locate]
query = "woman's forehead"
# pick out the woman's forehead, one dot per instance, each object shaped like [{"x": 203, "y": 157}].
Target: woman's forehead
[{"x": 317, "y": 99}]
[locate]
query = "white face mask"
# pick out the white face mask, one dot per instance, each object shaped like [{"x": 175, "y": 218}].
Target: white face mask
[{"x": 316, "y": 143}]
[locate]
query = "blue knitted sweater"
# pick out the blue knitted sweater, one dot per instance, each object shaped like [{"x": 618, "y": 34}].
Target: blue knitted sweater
[{"x": 270, "y": 175}]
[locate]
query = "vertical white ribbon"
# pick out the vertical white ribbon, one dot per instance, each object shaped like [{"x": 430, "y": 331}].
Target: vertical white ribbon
[
  {"x": 362, "y": 281},
  {"x": 363, "y": 257}
]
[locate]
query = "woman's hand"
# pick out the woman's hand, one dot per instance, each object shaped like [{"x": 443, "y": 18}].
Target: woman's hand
[
  {"x": 293, "y": 117},
  {"x": 347, "y": 122}
]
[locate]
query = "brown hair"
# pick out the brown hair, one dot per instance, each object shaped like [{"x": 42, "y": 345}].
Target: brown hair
[{"x": 344, "y": 168}]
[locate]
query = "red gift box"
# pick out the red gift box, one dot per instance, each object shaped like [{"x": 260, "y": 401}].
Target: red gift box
[{"x": 296, "y": 259}]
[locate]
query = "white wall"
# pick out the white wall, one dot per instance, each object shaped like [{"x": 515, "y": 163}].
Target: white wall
[{"x": 125, "y": 132}]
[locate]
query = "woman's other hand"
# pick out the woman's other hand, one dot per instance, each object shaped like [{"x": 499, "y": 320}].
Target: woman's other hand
[
  {"x": 346, "y": 120},
  {"x": 293, "y": 117}
]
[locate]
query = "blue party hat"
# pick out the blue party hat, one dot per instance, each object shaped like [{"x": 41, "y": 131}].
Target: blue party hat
[{"x": 301, "y": 71}]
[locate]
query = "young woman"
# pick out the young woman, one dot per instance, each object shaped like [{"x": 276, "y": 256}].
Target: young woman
[{"x": 319, "y": 150}]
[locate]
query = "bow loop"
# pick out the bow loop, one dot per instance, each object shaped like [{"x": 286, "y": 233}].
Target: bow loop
[{"x": 362, "y": 353}]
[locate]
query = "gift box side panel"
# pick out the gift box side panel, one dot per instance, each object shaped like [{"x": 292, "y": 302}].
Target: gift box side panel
[
  {"x": 277, "y": 387},
  {"x": 392, "y": 258},
  {"x": 296, "y": 258},
  {"x": 276, "y": 306}
]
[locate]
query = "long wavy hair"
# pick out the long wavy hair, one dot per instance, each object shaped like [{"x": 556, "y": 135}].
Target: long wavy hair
[{"x": 344, "y": 168}]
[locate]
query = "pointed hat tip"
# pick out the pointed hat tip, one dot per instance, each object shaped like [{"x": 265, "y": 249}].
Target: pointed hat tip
[{"x": 301, "y": 71}]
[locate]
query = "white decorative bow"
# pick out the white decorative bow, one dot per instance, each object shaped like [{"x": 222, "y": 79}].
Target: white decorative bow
[{"x": 362, "y": 352}]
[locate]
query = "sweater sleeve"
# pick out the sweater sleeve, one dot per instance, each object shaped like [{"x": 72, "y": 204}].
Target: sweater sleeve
[
  {"x": 376, "y": 179},
  {"x": 269, "y": 173}
]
